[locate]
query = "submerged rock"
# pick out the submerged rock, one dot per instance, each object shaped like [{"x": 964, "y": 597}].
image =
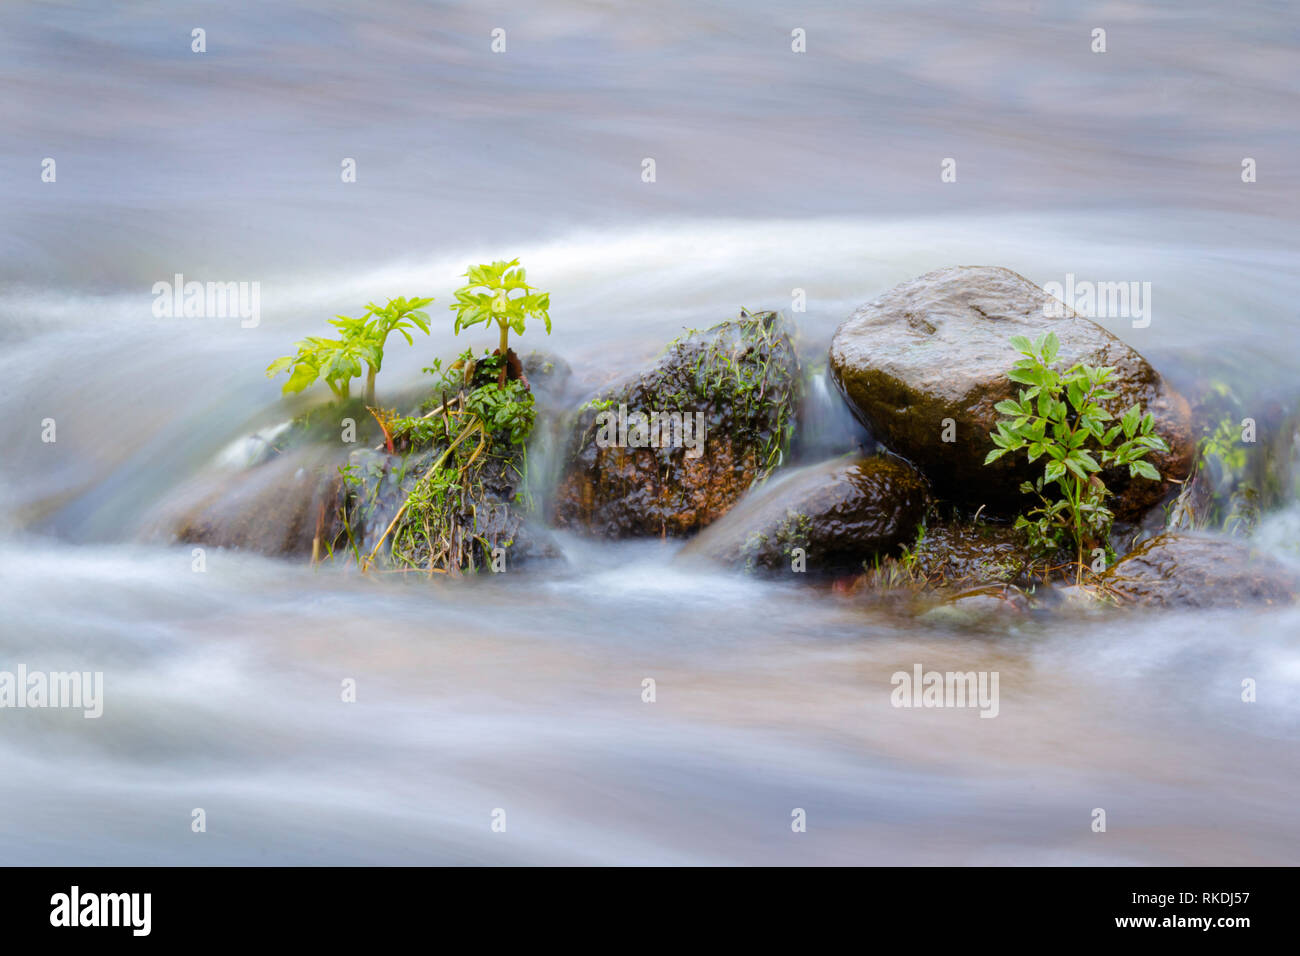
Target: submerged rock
[
  {"x": 841, "y": 513},
  {"x": 739, "y": 380},
  {"x": 1191, "y": 571},
  {"x": 936, "y": 348},
  {"x": 993, "y": 604}
]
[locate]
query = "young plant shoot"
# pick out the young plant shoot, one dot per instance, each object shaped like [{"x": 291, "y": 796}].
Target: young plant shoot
[
  {"x": 499, "y": 293},
  {"x": 339, "y": 360}
]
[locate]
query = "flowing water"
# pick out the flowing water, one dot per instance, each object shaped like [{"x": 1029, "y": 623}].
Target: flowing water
[{"x": 775, "y": 171}]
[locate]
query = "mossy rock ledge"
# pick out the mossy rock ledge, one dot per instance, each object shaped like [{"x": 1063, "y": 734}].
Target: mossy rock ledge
[
  {"x": 742, "y": 375},
  {"x": 425, "y": 506},
  {"x": 937, "y": 348}
]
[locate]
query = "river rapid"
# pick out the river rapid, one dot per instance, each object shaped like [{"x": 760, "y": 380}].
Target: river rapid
[{"x": 776, "y": 171}]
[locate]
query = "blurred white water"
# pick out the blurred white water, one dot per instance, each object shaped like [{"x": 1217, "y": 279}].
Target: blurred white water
[{"x": 776, "y": 173}]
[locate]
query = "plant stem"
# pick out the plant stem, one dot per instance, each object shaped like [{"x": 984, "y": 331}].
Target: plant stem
[
  {"x": 505, "y": 351},
  {"x": 1078, "y": 535},
  {"x": 370, "y": 385}
]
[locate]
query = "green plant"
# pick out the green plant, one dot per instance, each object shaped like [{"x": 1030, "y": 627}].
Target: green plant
[
  {"x": 507, "y": 409},
  {"x": 1223, "y": 451},
  {"x": 1060, "y": 417},
  {"x": 499, "y": 293},
  {"x": 471, "y": 435},
  {"x": 360, "y": 340}
]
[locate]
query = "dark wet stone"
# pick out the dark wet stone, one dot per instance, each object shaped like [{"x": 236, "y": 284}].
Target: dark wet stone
[{"x": 841, "y": 513}]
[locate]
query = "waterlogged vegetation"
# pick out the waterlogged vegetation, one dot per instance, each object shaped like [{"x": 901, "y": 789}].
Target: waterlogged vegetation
[
  {"x": 737, "y": 366},
  {"x": 746, "y": 380},
  {"x": 1060, "y": 417}
]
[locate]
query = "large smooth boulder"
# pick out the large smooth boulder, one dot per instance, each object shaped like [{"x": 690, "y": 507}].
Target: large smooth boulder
[
  {"x": 840, "y": 513},
  {"x": 937, "y": 348},
  {"x": 742, "y": 376},
  {"x": 1192, "y": 571}
]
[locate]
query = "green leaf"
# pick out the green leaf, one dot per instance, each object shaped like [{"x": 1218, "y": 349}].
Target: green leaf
[
  {"x": 1130, "y": 421},
  {"x": 302, "y": 376},
  {"x": 1145, "y": 469},
  {"x": 1051, "y": 346}
]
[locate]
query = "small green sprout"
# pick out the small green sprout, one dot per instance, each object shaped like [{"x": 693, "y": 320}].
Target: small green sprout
[
  {"x": 361, "y": 340},
  {"x": 499, "y": 293}
]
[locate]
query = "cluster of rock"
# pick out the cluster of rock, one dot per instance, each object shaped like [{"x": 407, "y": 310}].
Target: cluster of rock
[{"x": 922, "y": 368}]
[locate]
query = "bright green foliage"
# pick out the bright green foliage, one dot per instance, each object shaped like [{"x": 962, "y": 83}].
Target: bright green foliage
[
  {"x": 1060, "y": 417},
  {"x": 362, "y": 340},
  {"x": 507, "y": 409},
  {"x": 499, "y": 293}
]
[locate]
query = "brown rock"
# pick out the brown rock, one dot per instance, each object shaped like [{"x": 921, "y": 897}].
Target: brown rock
[
  {"x": 1191, "y": 571},
  {"x": 743, "y": 376},
  {"x": 840, "y": 513},
  {"x": 937, "y": 348}
]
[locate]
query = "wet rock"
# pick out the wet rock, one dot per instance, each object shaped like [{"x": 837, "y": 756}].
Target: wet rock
[
  {"x": 980, "y": 607},
  {"x": 455, "y": 532},
  {"x": 936, "y": 348},
  {"x": 1192, "y": 571},
  {"x": 1246, "y": 463},
  {"x": 740, "y": 378},
  {"x": 841, "y": 513},
  {"x": 1078, "y": 598},
  {"x": 548, "y": 376},
  {"x": 423, "y": 505},
  {"x": 960, "y": 553},
  {"x": 278, "y": 507}
]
